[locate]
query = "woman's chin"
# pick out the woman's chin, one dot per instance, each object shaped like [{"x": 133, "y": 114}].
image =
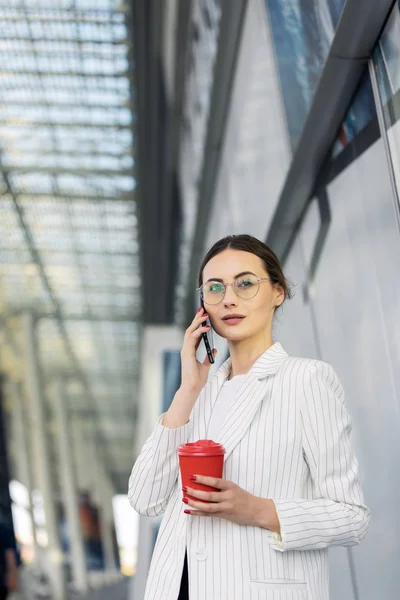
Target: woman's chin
[
  {"x": 236, "y": 336},
  {"x": 236, "y": 333}
]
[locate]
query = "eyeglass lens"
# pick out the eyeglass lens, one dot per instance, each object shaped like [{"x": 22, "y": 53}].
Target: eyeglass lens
[{"x": 245, "y": 286}]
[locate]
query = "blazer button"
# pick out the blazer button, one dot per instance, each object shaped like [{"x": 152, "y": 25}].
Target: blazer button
[{"x": 201, "y": 554}]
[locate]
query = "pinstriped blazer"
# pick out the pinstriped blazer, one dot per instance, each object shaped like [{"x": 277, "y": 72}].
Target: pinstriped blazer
[{"x": 286, "y": 437}]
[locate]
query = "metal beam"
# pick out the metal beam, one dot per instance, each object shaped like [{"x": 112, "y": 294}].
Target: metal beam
[
  {"x": 79, "y": 406},
  {"x": 57, "y": 170},
  {"x": 67, "y": 73},
  {"x": 41, "y": 442},
  {"x": 182, "y": 44},
  {"x": 141, "y": 55},
  {"x": 91, "y": 85},
  {"x": 124, "y": 390},
  {"x": 52, "y": 40},
  {"x": 56, "y": 251},
  {"x": 76, "y": 53},
  {"x": 88, "y": 253},
  {"x": 55, "y": 103},
  {"x": 106, "y": 318},
  {"x": 94, "y": 318},
  {"x": 357, "y": 33},
  {"x": 114, "y": 376},
  {"x": 81, "y": 153},
  {"x": 156, "y": 168},
  {"x": 76, "y": 197},
  {"x": 123, "y": 440},
  {"x": 69, "y": 16},
  {"x": 232, "y": 20},
  {"x": 16, "y": 122},
  {"x": 125, "y": 227},
  {"x": 67, "y": 470}
]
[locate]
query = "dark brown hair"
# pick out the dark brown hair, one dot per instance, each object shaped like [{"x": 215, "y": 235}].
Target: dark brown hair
[{"x": 248, "y": 243}]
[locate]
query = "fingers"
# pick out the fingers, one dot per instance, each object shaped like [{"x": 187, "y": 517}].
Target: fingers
[
  {"x": 205, "y": 496},
  {"x": 200, "y": 513},
  {"x": 206, "y": 507},
  {"x": 199, "y": 318},
  {"x": 196, "y": 335},
  {"x": 219, "y": 484},
  {"x": 199, "y": 332},
  {"x": 193, "y": 338}
]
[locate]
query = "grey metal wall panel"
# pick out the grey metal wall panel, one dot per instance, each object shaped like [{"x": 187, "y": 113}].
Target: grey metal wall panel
[
  {"x": 357, "y": 314},
  {"x": 295, "y": 328}
]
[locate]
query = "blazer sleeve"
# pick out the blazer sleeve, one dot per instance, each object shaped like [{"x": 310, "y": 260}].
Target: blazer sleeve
[
  {"x": 156, "y": 470},
  {"x": 337, "y": 516}
]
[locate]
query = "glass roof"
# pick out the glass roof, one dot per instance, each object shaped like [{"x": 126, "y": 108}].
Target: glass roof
[{"x": 68, "y": 225}]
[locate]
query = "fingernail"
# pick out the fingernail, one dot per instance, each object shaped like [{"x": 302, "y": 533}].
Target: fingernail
[
  {"x": 187, "y": 512},
  {"x": 192, "y": 477},
  {"x": 199, "y": 309},
  {"x": 185, "y": 500},
  {"x": 207, "y": 326},
  {"x": 205, "y": 315},
  {"x": 184, "y": 488}
]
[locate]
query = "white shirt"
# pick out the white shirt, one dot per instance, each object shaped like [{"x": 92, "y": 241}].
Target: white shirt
[{"x": 224, "y": 399}]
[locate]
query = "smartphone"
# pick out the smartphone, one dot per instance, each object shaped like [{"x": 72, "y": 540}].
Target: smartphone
[{"x": 208, "y": 337}]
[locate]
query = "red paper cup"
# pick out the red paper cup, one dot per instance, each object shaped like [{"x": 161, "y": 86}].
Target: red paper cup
[{"x": 203, "y": 457}]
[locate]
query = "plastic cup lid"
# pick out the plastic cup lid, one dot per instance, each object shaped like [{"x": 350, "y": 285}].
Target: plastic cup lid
[{"x": 201, "y": 448}]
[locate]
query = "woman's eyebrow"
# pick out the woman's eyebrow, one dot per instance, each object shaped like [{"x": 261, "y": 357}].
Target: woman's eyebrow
[{"x": 236, "y": 276}]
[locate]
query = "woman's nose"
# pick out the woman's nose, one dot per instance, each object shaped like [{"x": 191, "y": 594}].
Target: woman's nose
[{"x": 230, "y": 297}]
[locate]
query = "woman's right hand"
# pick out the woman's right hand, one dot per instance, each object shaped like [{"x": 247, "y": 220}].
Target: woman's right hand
[{"x": 195, "y": 373}]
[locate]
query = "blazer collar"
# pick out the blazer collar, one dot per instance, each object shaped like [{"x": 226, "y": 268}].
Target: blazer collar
[{"x": 266, "y": 364}]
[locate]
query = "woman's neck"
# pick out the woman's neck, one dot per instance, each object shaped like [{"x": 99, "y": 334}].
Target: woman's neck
[{"x": 245, "y": 353}]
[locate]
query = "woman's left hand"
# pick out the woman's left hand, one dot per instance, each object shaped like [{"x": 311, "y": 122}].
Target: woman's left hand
[{"x": 231, "y": 502}]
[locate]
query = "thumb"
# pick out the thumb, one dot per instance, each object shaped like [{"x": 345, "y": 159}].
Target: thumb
[{"x": 206, "y": 361}]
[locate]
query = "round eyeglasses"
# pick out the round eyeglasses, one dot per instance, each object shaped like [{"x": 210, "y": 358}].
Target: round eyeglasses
[{"x": 245, "y": 286}]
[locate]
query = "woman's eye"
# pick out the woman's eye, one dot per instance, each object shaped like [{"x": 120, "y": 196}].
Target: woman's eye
[
  {"x": 245, "y": 283},
  {"x": 216, "y": 287}
]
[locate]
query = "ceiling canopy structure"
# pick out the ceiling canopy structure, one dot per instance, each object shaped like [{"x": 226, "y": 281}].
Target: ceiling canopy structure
[{"x": 68, "y": 226}]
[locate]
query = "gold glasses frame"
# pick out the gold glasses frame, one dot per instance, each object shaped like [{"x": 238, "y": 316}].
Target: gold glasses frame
[{"x": 232, "y": 283}]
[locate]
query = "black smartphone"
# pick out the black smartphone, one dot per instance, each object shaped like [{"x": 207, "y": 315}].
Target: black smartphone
[{"x": 208, "y": 337}]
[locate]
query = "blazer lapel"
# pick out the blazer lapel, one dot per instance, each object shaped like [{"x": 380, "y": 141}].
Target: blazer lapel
[
  {"x": 252, "y": 392},
  {"x": 241, "y": 413}
]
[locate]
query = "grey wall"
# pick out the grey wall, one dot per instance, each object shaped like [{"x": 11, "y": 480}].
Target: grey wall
[
  {"x": 352, "y": 321},
  {"x": 256, "y": 153}
]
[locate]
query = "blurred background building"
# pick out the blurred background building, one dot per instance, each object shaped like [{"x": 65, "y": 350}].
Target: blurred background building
[{"x": 133, "y": 135}]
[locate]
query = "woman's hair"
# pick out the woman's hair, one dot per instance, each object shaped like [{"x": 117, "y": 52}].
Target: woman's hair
[{"x": 248, "y": 243}]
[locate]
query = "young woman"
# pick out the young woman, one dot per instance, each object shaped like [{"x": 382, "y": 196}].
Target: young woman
[{"x": 290, "y": 485}]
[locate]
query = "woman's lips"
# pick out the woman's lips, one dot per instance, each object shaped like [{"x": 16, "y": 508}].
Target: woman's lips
[{"x": 233, "y": 320}]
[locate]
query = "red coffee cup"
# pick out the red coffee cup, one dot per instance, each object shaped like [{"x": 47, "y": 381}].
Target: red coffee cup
[{"x": 203, "y": 457}]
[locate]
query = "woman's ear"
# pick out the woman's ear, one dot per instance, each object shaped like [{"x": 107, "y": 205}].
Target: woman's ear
[{"x": 280, "y": 296}]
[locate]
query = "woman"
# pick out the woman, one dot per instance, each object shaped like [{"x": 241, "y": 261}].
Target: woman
[{"x": 290, "y": 487}]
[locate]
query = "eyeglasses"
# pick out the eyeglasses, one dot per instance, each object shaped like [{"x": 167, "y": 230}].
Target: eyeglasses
[{"x": 245, "y": 286}]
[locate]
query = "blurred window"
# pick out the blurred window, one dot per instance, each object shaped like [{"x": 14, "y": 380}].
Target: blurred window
[
  {"x": 302, "y": 31},
  {"x": 387, "y": 64},
  {"x": 360, "y": 115}
]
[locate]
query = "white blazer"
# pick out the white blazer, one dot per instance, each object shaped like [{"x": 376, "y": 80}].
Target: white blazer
[{"x": 286, "y": 437}]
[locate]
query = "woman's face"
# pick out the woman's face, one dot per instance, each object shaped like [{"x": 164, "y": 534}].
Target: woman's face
[{"x": 257, "y": 312}]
